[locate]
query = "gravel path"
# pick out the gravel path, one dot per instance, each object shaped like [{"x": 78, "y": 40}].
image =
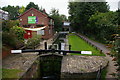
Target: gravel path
[{"x": 111, "y": 68}]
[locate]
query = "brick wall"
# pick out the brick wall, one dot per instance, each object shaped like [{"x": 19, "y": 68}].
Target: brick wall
[{"x": 42, "y": 18}]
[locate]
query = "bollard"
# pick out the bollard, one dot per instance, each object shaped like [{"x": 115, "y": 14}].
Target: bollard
[
  {"x": 59, "y": 47},
  {"x": 64, "y": 53},
  {"x": 100, "y": 51},
  {"x": 45, "y": 45},
  {"x": 69, "y": 47}
]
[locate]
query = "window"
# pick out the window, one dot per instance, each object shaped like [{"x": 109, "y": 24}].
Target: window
[{"x": 40, "y": 32}]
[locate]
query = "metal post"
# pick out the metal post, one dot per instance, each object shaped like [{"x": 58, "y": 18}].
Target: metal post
[
  {"x": 64, "y": 53},
  {"x": 100, "y": 51},
  {"x": 59, "y": 47},
  {"x": 69, "y": 47},
  {"x": 45, "y": 45}
]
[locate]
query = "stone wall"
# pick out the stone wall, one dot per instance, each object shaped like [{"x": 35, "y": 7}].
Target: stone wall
[
  {"x": 82, "y": 67},
  {"x": 79, "y": 76},
  {"x": 32, "y": 72}
]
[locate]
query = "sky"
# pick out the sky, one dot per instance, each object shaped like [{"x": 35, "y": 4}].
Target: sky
[{"x": 61, "y": 5}]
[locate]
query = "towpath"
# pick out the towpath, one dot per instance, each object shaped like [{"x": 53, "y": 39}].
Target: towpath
[{"x": 111, "y": 68}]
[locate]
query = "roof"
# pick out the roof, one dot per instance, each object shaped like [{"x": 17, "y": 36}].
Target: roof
[
  {"x": 34, "y": 10},
  {"x": 35, "y": 29},
  {"x": 2, "y": 11},
  {"x": 50, "y": 17}
]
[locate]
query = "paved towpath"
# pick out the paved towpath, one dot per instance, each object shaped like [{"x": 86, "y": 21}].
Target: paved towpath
[{"x": 111, "y": 68}]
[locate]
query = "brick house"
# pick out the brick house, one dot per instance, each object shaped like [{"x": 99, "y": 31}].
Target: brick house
[{"x": 35, "y": 22}]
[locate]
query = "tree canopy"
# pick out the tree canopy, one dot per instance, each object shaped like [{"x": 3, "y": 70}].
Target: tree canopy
[
  {"x": 80, "y": 12},
  {"x": 103, "y": 25},
  {"x": 58, "y": 19},
  {"x": 32, "y": 5},
  {"x": 22, "y": 10}
]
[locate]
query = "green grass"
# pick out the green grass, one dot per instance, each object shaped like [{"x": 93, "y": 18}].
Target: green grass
[
  {"x": 10, "y": 73},
  {"x": 77, "y": 44}
]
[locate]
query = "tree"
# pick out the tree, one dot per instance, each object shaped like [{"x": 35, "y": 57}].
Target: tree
[
  {"x": 32, "y": 5},
  {"x": 22, "y": 10},
  {"x": 64, "y": 17},
  {"x": 58, "y": 19},
  {"x": 80, "y": 12},
  {"x": 102, "y": 25}
]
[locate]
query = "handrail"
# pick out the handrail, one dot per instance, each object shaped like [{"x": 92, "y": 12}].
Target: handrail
[{"x": 48, "y": 50}]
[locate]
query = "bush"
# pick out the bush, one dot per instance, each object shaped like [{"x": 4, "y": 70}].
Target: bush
[
  {"x": 11, "y": 40},
  {"x": 18, "y": 31},
  {"x": 12, "y": 35},
  {"x": 7, "y": 24},
  {"x": 116, "y": 52},
  {"x": 32, "y": 42}
]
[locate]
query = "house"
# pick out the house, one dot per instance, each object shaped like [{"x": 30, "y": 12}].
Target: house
[
  {"x": 36, "y": 23},
  {"x": 4, "y": 15}
]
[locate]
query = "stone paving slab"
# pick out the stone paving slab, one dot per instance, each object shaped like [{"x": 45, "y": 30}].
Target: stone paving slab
[
  {"x": 19, "y": 61},
  {"x": 82, "y": 64}
]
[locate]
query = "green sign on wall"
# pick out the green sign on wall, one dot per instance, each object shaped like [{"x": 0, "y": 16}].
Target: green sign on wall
[{"x": 31, "y": 19}]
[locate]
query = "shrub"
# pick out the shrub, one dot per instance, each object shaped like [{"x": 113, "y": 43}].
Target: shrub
[
  {"x": 18, "y": 31},
  {"x": 12, "y": 35},
  {"x": 32, "y": 42},
  {"x": 7, "y": 24},
  {"x": 11, "y": 40}
]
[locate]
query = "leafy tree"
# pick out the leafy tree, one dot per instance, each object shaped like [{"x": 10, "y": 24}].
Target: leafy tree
[
  {"x": 103, "y": 25},
  {"x": 64, "y": 17},
  {"x": 80, "y": 12},
  {"x": 32, "y": 5},
  {"x": 22, "y": 10},
  {"x": 58, "y": 19}
]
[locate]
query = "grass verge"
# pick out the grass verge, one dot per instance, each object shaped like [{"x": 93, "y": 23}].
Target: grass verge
[
  {"x": 78, "y": 44},
  {"x": 10, "y": 73}
]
